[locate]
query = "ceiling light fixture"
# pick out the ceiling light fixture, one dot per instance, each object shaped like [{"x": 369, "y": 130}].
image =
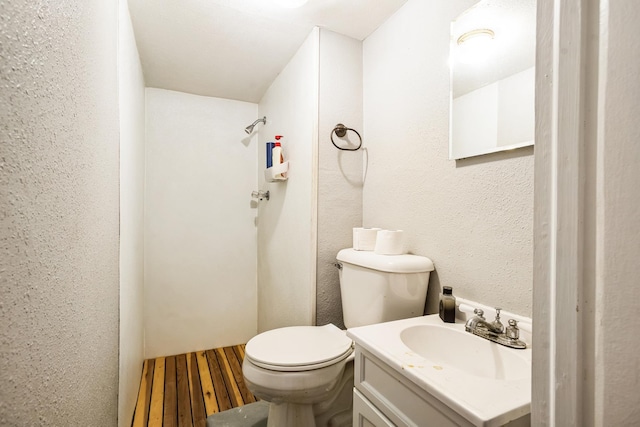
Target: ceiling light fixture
[
  {"x": 477, "y": 35},
  {"x": 475, "y": 47}
]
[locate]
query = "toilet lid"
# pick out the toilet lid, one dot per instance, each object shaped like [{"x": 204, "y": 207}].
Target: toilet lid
[{"x": 299, "y": 348}]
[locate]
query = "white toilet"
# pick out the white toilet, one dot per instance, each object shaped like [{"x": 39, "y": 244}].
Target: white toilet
[{"x": 306, "y": 372}]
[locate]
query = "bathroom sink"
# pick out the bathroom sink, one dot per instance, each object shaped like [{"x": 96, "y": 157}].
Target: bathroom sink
[
  {"x": 452, "y": 348},
  {"x": 484, "y": 382}
]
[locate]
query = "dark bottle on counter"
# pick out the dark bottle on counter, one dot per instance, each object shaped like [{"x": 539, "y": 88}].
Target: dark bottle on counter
[{"x": 447, "y": 305}]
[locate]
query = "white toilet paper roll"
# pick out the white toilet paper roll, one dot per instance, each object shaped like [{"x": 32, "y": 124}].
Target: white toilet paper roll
[
  {"x": 364, "y": 239},
  {"x": 389, "y": 242}
]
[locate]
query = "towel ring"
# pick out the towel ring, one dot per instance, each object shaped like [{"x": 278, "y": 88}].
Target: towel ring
[{"x": 341, "y": 130}]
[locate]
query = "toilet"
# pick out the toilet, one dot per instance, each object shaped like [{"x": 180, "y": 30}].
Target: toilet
[{"x": 306, "y": 372}]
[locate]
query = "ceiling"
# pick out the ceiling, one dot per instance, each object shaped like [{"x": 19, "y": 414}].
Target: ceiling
[{"x": 235, "y": 48}]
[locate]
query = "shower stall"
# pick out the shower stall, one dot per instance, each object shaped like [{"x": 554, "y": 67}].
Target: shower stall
[
  {"x": 219, "y": 266},
  {"x": 200, "y": 227}
]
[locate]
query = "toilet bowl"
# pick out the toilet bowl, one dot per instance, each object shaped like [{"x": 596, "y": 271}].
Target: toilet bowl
[
  {"x": 306, "y": 372},
  {"x": 299, "y": 368}
]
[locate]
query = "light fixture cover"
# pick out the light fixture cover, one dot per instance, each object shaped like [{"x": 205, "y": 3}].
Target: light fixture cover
[{"x": 479, "y": 33}]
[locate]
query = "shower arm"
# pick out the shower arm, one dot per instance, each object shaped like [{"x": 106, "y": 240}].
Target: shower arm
[
  {"x": 249, "y": 128},
  {"x": 263, "y": 120}
]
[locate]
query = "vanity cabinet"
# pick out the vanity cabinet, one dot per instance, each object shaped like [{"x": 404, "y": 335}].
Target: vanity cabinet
[
  {"x": 382, "y": 397},
  {"x": 423, "y": 372}
]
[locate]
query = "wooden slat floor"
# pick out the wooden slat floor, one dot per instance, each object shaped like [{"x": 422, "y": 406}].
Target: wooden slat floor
[{"x": 183, "y": 390}]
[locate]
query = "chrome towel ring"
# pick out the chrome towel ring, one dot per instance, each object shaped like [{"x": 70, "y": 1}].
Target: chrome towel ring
[{"x": 341, "y": 131}]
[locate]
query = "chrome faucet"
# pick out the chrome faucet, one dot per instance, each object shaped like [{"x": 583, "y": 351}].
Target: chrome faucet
[
  {"x": 478, "y": 321},
  {"x": 495, "y": 331}
]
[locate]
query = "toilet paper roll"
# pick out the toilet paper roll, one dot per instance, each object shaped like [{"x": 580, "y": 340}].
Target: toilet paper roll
[
  {"x": 389, "y": 242},
  {"x": 364, "y": 239}
]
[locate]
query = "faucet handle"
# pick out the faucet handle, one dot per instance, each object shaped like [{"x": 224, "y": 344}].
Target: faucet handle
[
  {"x": 512, "y": 331},
  {"x": 479, "y": 312},
  {"x": 497, "y": 324}
]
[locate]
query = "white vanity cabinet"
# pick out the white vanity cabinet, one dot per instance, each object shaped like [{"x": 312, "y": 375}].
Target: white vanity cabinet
[
  {"x": 382, "y": 397},
  {"x": 424, "y": 372}
]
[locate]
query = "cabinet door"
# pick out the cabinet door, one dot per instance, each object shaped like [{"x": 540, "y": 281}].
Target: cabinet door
[{"x": 367, "y": 415}]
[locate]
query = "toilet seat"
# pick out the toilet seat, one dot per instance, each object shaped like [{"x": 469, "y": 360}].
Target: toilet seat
[{"x": 299, "y": 348}]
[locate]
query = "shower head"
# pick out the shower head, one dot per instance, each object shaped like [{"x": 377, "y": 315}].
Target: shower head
[{"x": 249, "y": 128}]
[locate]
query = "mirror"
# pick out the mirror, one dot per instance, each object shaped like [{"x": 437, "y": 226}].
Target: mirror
[{"x": 492, "y": 78}]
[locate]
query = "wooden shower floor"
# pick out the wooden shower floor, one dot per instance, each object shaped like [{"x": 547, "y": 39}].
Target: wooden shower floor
[{"x": 183, "y": 390}]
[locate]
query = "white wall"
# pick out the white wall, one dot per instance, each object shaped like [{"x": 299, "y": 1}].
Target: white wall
[
  {"x": 200, "y": 232},
  {"x": 617, "y": 344},
  {"x": 59, "y": 213},
  {"x": 586, "y": 360},
  {"x": 339, "y": 172},
  {"x": 287, "y": 222},
  {"x": 473, "y": 218},
  {"x": 131, "y": 217}
]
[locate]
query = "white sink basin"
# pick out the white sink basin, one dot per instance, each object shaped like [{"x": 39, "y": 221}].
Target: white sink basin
[
  {"x": 486, "y": 383},
  {"x": 447, "y": 347}
]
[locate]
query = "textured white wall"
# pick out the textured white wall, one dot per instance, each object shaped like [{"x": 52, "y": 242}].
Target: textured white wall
[
  {"x": 617, "y": 352},
  {"x": 200, "y": 233},
  {"x": 287, "y": 222},
  {"x": 473, "y": 218},
  {"x": 58, "y": 213},
  {"x": 587, "y": 227},
  {"x": 131, "y": 217},
  {"x": 339, "y": 172}
]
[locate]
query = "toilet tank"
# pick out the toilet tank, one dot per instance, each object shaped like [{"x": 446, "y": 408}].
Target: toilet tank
[{"x": 379, "y": 288}]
